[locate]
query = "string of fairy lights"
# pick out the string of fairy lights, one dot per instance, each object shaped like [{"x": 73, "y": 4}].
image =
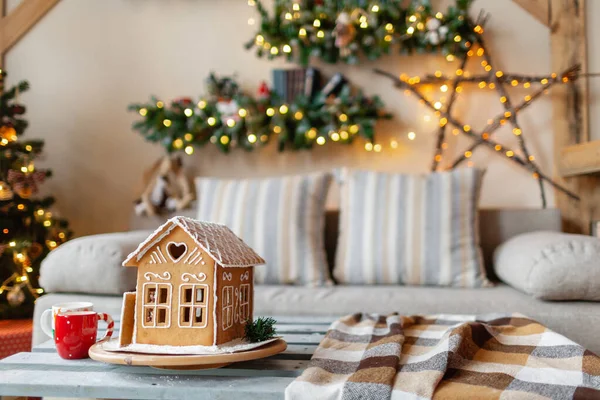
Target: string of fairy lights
[{"x": 494, "y": 79}]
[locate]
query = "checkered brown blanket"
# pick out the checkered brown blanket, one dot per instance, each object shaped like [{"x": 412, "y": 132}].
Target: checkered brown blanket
[{"x": 446, "y": 357}]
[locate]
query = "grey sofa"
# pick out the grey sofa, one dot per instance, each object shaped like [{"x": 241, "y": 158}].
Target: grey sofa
[{"x": 579, "y": 321}]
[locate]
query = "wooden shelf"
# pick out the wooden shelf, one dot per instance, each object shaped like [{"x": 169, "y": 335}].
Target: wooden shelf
[{"x": 580, "y": 159}]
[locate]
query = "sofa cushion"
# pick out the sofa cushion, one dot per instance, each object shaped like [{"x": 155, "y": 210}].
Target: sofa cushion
[
  {"x": 92, "y": 264},
  {"x": 281, "y": 218},
  {"x": 411, "y": 229},
  {"x": 551, "y": 265},
  {"x": 579, "y": 321}
]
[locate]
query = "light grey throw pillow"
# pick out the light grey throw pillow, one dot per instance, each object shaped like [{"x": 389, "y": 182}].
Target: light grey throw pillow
[
  {"x": 281, "y": 218},
  {"x": 410, "y": 229},
  {"x": 92, "y": 264},
  {"x": 551, "y": 265}
]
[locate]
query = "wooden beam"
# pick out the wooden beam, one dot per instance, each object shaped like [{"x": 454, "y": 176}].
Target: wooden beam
[
  {"x": 570, "y": 109},
  {"x": 580, "y": 159},
  {"x": 539, "y": 9},
  {"x": 21, "y": 20}
]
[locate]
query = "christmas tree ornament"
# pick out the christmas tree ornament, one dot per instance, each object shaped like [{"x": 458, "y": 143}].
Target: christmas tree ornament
[
  {"x": 263, "y": 91},
  {"x": 6, "y": 192},
  {"x": 8, "y": 134},
  {"x": 25, "y": 184},
  {"x": 16, "y": 296},
  {"x": 344, "y": 33}
]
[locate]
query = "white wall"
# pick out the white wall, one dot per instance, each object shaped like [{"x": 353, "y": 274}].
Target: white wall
[{"x": 87, "y": 60}]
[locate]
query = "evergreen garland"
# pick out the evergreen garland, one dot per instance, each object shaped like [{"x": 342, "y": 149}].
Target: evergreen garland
[
  {"x": 334, "y": 30},
  {"x": 185, "y": 124}
]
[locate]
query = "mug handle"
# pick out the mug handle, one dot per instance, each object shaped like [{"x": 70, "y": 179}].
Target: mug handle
[
  {"x": 109, "y": 329},
  {"x": 46, "y": 322}
]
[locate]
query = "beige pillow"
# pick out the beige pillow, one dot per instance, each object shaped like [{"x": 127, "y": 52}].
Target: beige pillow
[{"x": 551, "y": 265}]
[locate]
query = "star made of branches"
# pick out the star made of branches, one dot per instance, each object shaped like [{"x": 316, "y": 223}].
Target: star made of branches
[{"x": 494, "y": 79}]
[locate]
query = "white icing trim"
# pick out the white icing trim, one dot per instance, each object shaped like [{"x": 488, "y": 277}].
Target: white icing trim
[
  {"x": 246, "y": 304},
  {"x": 193, "y": 304},
  {"x": 245, "y": 276},
  {"x": 165, "y": 276},
  {"x": 236, "y": 305},
  {"x": 155, "y": 306},
  {"x": 183, "y": 223},
  {"x": 215, "y": 298},
  {"x": 200, "y": 259},
  {"x": 176, "y": 260},
  {"x": 164, "y": 259},
  {"x": 227, "y": 276},
  {"x": 196, "y": 257},
  {"x": 190, "y": 255},
  {"x": 200, "y": 277},
  {"x": 224, "y": 306}
]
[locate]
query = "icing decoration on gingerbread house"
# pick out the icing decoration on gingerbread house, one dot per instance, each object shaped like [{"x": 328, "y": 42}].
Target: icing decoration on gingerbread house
[{"x": 194, "y": 286}]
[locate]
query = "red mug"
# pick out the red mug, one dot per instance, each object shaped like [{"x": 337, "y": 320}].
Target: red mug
[{"x": 75, "y": 332}]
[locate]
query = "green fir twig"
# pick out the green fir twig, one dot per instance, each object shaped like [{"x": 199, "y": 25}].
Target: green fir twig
[{"x": 261, "y": 329}]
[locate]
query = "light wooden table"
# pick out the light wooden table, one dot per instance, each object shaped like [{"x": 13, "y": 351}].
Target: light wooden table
[{"x": 43, "y": 373}]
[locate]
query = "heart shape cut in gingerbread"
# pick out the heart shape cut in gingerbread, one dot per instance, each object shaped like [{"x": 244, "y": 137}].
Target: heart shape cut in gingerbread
[{"x": 176, "y": 250}]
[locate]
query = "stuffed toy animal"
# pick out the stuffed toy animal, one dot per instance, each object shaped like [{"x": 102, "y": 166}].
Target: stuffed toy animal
[{"x": 165, "y": 188}]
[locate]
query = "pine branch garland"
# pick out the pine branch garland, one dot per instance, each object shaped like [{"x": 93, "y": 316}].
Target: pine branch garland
[{"x": 261, "y": 329}]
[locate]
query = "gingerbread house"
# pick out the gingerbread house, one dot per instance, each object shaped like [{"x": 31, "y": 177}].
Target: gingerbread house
[{"x": 194, "y": 286}]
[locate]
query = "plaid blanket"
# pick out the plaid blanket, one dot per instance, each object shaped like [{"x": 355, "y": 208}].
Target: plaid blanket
[{"x": 446, "y": 357}]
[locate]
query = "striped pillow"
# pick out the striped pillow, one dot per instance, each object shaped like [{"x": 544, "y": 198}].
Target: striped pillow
[
  {"x": 410, "y": 229},
  {"x": 281, "y": 218}
]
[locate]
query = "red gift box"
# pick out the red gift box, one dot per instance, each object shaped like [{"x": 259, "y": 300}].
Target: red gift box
[{"x": 15, "y": 336}]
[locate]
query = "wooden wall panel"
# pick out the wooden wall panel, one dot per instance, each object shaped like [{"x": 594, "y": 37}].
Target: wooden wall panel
[{"x": 570, "y": 108}]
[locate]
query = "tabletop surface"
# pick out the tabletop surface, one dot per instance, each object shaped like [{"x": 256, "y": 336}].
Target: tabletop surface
[{"x": 43, "y": 373}]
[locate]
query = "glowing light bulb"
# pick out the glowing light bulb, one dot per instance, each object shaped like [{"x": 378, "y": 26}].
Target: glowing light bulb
[
  {"x": 410, "y": 30},
  {"x": 211, "y": 121},
  {"x": 143, "y": 112},
  {"x": 188, "y": 112},
  {"x": 298, "y": 115},
  {"x": 444, "y": 88},
  {"x": 335, "y": 136},
  {"x": 178, "y": 143},
  {"x": 466, "y": 128},
  {"x": 368, "y": 146},
  {"x": 202, "y": 104},
  {"x": 302, "y": 32},
  {"x": 311, "y": 133},
  {"x": 230, "y": 123},
  {"x": 189, "y": 150},
  {"x": 377, "y": 148},
  {"x": 160, "y": 104},
  {"x": 224, "y": 140},
  {"x": 411, "y": 135},
  {"x": 343, "y": 117},
  {"x": 320, "y": 34},
  {"x": 242, "y": 112},
  {"x": 287, "y": 48},
  {"x": 274, "y": 50},
  {"x": 510, "y": 153},
  {"x": 283, "y": 109},
  {"x": 375, "y": 8},
  {"x": 270, "y": 111},
  {"x": 277, "y": 129},
  {"x": 437, "y": 105},
  {"x": 457, "y": 38},
  {"x": 252, "y": 138},
  {"x": 316, "y": 23},
  {"x": 503, "y": 99},
  {"x": 320, "y": 140},
  {"x": 167, "y": 122},
  {"x": 344, "y": 135},
  {"x": 468, "y": 154}
]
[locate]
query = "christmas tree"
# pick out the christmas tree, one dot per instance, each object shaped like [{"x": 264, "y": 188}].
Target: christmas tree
[{"x": 28, "y": 230}]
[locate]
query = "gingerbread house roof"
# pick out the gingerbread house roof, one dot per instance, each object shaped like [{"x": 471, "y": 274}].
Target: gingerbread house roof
[{"x": 217, "y": 240}]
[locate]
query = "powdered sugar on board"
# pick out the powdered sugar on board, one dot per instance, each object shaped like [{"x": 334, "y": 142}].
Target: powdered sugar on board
[{"x": 235, "y": 346}]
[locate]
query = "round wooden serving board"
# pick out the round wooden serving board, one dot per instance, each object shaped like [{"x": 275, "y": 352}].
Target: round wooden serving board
[{"x": 194, "y": 361}]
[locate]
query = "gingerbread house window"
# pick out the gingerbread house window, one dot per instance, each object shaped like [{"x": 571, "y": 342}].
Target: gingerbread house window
[
  {"x": 244, "y": 302},
  {"x": 227, "y": 314},
  {"x": 156, "y": 305},
  {"x": 193, "y": 306}
]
